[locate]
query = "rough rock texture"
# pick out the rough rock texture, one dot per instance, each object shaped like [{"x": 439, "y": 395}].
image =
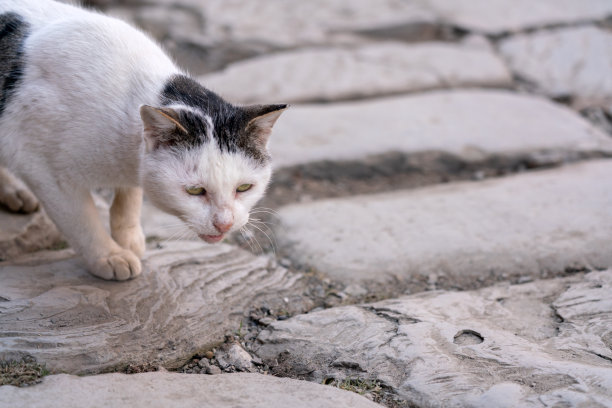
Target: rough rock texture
[
  {"x": 522, "y": 225},
  {"x": 467, "y": 349},
  {"x": 473, "y": 125},
  {"x": 162, "y": 390},
  {"x": 283, "y": 24},
  {"x": 189, "y": 296},
  {"x": 158, "y": 225},
  {"x": 205, "y": 36},
  {"x": 500, "y": 16},
  {"x": 572, "y": 62},
  {"x": 23, "y": 233},
  {"x": 328, "y": 74}
]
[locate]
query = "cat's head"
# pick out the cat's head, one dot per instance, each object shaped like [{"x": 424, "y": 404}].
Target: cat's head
[{"x": 206, "y": 160}]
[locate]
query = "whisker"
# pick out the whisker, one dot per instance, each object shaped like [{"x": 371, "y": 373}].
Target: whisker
[
  {"x": 273, "y": 243},
  {"x": 246, "y": 239},
  {"x": 254, "y": 239},
  {"x": 266, "y": 223}
]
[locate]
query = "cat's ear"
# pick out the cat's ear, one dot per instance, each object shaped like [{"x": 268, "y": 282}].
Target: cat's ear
[
  {"x": 263, "y": 117},
  {"x": 161, "y": 127}
]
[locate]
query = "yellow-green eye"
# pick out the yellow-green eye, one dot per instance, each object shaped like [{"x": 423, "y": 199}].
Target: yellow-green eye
[
  {"x": 244, "y": 187},
  {"x": 195, "y": 190}
]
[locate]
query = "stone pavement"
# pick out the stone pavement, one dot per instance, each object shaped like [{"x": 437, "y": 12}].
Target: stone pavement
[
  {"x": 438, "y": 232},
  {"x": 162, "y": 390}
]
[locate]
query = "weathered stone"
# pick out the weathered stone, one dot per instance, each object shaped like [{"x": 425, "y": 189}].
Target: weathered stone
[
  {"x": 158, "y": 225},
  {"x": 206, "y": 36},
  {"x": 188, "y": 298},
  {"x": 331, "y": 74},
  {"x": 524, "y": 225},
  {"x": 544, "y": 343},
  {"x": 572, "y": 62},
  {"x": 162, "y": 389},
  {"x": 233, "y": 355},
  {"x": 501, "y": 16},
  {"x": 473, "y": 125},
  {"x": 282, "y": 24},
  {"x": 23, "y": 233}
]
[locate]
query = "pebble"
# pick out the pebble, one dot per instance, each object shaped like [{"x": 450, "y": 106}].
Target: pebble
[{"x": 213, "y": 370}]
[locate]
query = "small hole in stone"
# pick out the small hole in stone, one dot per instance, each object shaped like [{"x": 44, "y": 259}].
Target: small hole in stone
[{"x": 467, "y": 337}]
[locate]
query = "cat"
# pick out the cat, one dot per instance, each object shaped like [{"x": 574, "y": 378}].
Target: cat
[{"x": 87, "y": 101}]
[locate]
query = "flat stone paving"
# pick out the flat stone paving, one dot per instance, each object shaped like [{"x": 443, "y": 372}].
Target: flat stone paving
[
  {"x": 163, "y": 390},
  {"x": 189, "y": 297},
  {"x": 567, "y": 62},
  {"x": 464, "y": 349},
  {"x": 26, "y": 233},
  {"x": 522, "y": 225},
  {"x": 502, "y": 16},
  {"x": 330, "y": 74},
  {"x": 470, "y": 124}
]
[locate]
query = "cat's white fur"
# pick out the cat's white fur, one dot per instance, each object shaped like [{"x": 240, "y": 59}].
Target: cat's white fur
[{"x": 64, "y": 147}]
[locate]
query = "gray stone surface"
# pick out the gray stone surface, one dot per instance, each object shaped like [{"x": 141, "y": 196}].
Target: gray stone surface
[
  {"x": 24, "y": 233},
  {"x": 329, "y": 74},
  {"x": 189, "y": 297},
  {"x": 473, "y": 125},
  {"x": 571, "y": 62},
  {"x": 161, "y": 226},
  {"x": 497, "y": 17},
  {"x": 162, "y": 390},
  {"x": 523, "y": 225},
  {"x": 545, "y": 343},
  {"x": 288, "y": 24},
  {"x": 206, "y": 35}
]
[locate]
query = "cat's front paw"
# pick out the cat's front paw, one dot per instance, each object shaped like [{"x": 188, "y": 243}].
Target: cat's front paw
[
  {"x": 130, "y": 238},
  {"x": 18, "y": 199},
  {"x": 120, "y": 266}
]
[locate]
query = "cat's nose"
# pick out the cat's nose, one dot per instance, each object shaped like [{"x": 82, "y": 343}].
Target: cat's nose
[{"x": 223, "y": 226}]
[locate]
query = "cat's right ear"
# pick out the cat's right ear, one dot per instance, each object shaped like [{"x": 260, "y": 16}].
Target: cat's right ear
[{"x": 161, "y": 127}]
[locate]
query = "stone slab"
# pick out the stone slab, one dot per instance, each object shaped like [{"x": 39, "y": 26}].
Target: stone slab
[
  {"x": 24, "y": 233},
  {"x": 502, "y": 16},
  {"x": 282, "y": 24},
  {"x": 163, "y": 389},
  {"x": 523, "y": 225},
  {"x": 545, "y": 343},
  {"x": 204, "y": 36},
  {"x": 473, "y": 125},
  {"x": 570, "y": 62},
  {"x": 188, "y": 298},
  {"x": 331, "y": 74}
]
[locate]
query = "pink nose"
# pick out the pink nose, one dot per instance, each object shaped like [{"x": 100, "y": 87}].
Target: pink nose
[{"x": 223, "y": 226}]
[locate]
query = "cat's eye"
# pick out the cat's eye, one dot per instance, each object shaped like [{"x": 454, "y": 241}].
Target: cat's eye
[
  {"x": 195, "y": 190},
  {"x": 244, "y": 187}
]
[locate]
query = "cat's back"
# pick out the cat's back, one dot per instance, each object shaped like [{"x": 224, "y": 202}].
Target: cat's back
[
  {"x": 52, "y": 30},
  {"x": 37, "y": 13},
  {"x": 69, "y": 68}
]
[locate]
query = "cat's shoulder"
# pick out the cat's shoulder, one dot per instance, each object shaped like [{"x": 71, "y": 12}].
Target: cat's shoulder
[
  {"x": 51, "y": 15},
  {"x": 38, "y": 13}
]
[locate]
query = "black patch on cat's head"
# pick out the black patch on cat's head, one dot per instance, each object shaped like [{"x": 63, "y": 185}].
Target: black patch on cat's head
[
  {"x": 230, "y": 122},
  {"x": 13, "y": 33}
]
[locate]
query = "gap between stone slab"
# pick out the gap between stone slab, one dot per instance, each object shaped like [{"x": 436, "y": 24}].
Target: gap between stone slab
[
  {"x": 396, "y": 170},
  {"x": 495, "y": 38}
]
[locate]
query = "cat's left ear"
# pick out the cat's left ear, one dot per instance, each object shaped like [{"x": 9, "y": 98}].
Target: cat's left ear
[
  {"x": 161, "y": 127},
  {"x": 263, "y": 118}
]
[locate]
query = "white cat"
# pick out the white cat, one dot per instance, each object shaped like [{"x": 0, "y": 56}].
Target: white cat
[{"x": 87, "y": 101}]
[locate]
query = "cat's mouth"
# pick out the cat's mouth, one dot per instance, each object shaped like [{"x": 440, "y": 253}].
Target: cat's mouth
[{"x": 211, "y": 239}]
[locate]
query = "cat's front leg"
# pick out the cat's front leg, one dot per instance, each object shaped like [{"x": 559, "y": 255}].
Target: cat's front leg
[
  {"x": 14, "y": 194},
  {"x": 74, "y": 213},
  {"x": 125, "y": 220}
]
